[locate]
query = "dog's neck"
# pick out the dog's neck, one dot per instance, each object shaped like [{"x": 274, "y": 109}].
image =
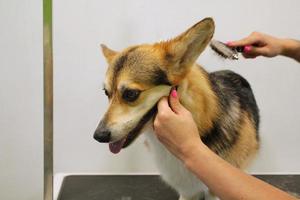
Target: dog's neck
[{"x": 196, "y": 94}]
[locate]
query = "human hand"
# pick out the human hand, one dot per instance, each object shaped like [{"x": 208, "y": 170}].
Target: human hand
[
  {"x": 174, "y": 126},
  {"x": 259, "y": 44}
]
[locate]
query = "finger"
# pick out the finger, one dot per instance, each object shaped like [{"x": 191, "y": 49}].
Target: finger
[
  {"x": 243, "y": 42},
  {"x": 163, "y": 105},
  {"x": 261, "y": 51},
  {"x": 248, "y": 52},
  {"x": 252, "y": 52},
  {"x": 249, "y": 55},
  {"x": 174, "y": 101}
]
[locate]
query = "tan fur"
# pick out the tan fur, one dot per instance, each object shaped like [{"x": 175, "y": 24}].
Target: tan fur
[
  {"x": 197, "y": 96},
  {"x": 246, "y": 147},
  {"x": 108, "y": 53}
]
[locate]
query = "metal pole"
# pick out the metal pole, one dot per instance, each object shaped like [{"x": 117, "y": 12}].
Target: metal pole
[{"x": 48, "y": 100}]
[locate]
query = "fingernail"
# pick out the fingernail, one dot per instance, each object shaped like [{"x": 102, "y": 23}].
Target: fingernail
[
  {"x": 229, "y": 43},
  {"x": 174, "y": 93},
  {"x": 247, "y": 49}
]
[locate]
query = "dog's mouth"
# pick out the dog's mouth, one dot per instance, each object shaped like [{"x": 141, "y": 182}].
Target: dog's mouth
[{"x": 115, "y": 147}]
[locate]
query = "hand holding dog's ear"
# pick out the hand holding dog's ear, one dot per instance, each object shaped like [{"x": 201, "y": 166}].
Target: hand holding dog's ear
[
  {"x": 171, "y": 105},
  {"x": 175, "y": 127}
]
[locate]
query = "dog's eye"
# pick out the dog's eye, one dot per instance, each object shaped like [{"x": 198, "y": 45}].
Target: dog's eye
[
  {"x": 106, "y": 92},
  {"x": 130, "y": 95}
]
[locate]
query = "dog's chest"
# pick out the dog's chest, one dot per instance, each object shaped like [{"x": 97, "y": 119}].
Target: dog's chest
[{"x": 173, "y": 170}]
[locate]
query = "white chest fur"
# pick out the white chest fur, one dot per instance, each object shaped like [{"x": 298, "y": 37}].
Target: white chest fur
[{"x": 173, "y": 170}]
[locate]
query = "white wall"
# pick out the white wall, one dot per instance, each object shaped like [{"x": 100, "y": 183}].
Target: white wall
[
  {"x": 21, "y": 100},
  {"x": 80, "y": 26}
]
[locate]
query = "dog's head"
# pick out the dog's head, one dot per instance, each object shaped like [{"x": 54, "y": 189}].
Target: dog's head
[{"x": 139, "y": 76}]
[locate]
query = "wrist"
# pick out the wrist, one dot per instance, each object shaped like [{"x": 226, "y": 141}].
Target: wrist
[
  {"x": 290, "y": 47},
  {"x": 284, "y": 43},
  {"x": 190, "y": 155}
]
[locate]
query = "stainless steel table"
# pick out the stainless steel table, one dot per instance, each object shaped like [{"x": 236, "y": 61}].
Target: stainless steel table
[{"x": 143, "y": 187}]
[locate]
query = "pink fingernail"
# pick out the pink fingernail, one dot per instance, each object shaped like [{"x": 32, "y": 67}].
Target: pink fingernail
[
  {"x": 229, "y": 43},
  {"x": 247, "y": 49},
  {"x": 174, "y": 93}
]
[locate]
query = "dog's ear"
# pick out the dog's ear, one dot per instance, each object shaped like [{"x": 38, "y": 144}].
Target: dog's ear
[
  {"x": 108, "y": 53},
  {"x": 182, "y": 51}
]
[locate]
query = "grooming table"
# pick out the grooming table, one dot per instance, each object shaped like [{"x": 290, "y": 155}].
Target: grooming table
[{"x": 139, "y": 187}]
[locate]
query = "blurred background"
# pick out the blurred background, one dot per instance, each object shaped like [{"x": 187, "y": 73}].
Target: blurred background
[{"x": 79, "y": 26}]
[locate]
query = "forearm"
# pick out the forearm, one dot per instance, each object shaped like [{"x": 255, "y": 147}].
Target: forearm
[
  {"x": 291, "y": 48},
  {"x": 226, "y": 181}
]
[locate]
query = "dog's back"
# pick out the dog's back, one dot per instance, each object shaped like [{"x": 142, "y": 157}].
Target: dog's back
[{"x": 234, "y": 134}]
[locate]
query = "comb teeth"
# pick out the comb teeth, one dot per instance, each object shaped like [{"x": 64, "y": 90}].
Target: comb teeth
[{"x": 223, "y": 50}]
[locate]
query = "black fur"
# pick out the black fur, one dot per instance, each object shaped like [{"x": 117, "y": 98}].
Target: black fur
[
  {"x": 159, "y": 77},
  {"x": 233, "y": 92},
  {"x": 234, "y": 85},
  {"x": 216, "y": 136},
  {"x": 120, "y": 63}
]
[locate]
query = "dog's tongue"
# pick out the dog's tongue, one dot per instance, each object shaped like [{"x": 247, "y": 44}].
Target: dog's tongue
[{"x": 115, "y": 147}]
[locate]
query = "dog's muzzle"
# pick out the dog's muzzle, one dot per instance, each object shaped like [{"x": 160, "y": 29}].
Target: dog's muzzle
[{"x": 102, "y": 134}]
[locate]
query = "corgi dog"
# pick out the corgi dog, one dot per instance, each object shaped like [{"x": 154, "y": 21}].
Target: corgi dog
[{"x": 222, "y": 104}]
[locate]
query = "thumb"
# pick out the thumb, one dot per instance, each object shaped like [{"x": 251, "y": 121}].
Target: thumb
[
  {"x": 260, "y": 51},
  {"x": 252, "y": 51},
  {"x": 174, "y": 101}
]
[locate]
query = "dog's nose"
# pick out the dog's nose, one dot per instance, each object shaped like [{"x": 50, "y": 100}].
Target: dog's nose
[{"x": 102, "y": 136}]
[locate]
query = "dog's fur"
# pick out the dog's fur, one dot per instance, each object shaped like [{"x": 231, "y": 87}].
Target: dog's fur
[{"x": 222, "y": 102}]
